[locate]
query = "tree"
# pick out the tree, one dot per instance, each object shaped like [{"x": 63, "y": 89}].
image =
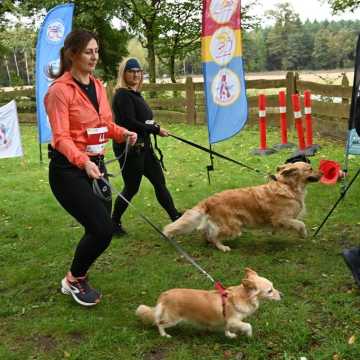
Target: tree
[
  {"x": 342, "y": 5},
  {"x": 142, "y": 18},
  {"x": 179, "y": 32},
  {"x": 322, "y": 54},
  {"x": 284, "y": 40},
  {"x": 93, "y": 15}
]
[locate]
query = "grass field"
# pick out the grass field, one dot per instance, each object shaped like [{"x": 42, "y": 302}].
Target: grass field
[{"x": 319, "y": 315}]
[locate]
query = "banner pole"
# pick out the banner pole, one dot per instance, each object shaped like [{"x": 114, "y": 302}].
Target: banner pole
[
  {"x": 41, "y": 158},
  {"x": 211, "y": 166}
]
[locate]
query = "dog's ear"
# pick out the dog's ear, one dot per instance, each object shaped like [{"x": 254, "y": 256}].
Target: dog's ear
[
  {"x": 248, "y": 284},
  {"x": 281, "y": 167},
  {"x": 249, "y": 272},
  {"x": 289, "y": 172}
]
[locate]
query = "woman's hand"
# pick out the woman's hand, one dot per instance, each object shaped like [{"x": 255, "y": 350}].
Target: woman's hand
[
  {"x": 132, "y": 137},
  {"x": 92, "y": 170},
  {"x": 163, "y": 132}
]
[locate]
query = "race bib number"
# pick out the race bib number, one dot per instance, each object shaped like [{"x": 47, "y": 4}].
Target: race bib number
[{"x": 97, "y": 138}]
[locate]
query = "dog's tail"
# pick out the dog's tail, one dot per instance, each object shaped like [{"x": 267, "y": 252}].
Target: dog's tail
[
  {"x": 188, "y": 222},
  {"x": 146, "y": 314}
]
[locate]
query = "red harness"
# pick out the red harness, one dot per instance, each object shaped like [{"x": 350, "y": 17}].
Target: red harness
[{"x": 224, "y": 294}]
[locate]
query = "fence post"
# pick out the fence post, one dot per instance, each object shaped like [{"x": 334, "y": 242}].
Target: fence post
[
  {"x": 290, "y": 89},
  {"x": 344, "y": 83},
  {"x": 190, "y": 101}
]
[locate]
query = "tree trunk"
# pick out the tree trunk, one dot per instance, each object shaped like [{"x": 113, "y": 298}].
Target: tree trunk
[
  {"x": 16, "y": 63},
  {"x": 7, "y": 69},
  {"x": 172, "y": 68},
  {"x": 26, "y": 67},
  {"x": 150, "y": 46}
]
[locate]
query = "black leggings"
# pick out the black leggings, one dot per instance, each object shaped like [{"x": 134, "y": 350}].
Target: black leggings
[
  {"x": 73, "y": 190},
  {"x": 143, "y": 163}
]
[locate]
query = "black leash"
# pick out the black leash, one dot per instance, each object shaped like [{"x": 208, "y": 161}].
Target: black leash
[
  {"x": 337, "y": 202},
  {"x": 171, "y": 241},
  {"x": 211, "y": 152}
]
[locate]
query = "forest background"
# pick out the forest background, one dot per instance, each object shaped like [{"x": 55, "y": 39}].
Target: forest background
[{"x": 165, "y": 36}]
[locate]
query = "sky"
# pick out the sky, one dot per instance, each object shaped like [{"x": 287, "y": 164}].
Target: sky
[{"x": 307, "y": 9}]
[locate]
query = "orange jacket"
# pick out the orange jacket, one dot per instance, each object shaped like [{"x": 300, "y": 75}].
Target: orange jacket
[{"x": 71, "y": 113}]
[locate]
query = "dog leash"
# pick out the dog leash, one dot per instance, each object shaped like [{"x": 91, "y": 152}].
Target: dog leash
[
  {"x": 217, "y": 284},
  {"x": 212, "y": 152}
]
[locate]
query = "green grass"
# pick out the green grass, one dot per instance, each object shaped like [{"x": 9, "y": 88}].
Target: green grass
[{"x": 317, "y": 316}]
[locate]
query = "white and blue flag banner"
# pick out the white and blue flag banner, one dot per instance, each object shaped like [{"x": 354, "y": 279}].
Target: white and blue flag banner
[
  {"x": 224, "y": 81},
  {"x": 56, "y": 25},
  {"x": 10, "y": 141}
]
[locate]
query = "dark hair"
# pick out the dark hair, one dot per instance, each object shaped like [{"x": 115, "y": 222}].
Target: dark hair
[{"x": 75, "y": 42}]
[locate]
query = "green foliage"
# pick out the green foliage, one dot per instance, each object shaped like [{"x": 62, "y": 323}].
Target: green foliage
[
  {"x": 96, "y": 16},
  {"x": 341, "y": 5},
  {"x": 316, "y": 318},
  {"x": 292, "y": 45}
]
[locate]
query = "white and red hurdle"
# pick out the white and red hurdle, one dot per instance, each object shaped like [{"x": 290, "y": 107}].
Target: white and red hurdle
[{"x": 305, "y": 143}]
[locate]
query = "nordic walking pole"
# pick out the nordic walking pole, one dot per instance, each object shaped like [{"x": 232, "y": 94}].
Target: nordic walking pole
[{"x": 336, "y": 203}]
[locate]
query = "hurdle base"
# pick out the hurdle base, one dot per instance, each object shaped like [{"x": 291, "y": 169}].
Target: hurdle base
[
  {"x": 312, "y": 149},
  {"x": 309, "y": 151},
  {"x": 263, "y": 152},
  {"x": 284, "y": 146}
]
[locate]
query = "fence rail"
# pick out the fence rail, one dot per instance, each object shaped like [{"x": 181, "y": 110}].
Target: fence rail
[{"x": 185, "y": 102}]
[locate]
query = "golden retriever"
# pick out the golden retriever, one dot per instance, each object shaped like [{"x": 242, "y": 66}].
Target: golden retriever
[
  {"x": 278, "y": 203},
  {"x": 207, "y": 308}
]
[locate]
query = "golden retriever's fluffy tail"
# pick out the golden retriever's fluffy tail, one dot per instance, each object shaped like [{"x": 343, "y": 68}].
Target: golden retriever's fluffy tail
[
  {"x": 146, "y": 314},
  {"x": 190, "y": 220}
]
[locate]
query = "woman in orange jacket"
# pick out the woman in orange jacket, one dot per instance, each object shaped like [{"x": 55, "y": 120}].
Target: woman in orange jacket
[{"x": 81, "y": 123}]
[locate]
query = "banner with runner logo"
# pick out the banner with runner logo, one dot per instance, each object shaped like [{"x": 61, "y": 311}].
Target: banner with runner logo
[
  {"x": 56, "y": 25},
  {"x": 224, "y": 81},
  {"x": 10, "y": 141}
]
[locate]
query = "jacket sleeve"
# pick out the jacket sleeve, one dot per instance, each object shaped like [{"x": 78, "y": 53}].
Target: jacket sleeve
[
  {"x": 116, "y": 132},
  {"x": 57, "y": 108},
  {"x": 125, "y": 114}
]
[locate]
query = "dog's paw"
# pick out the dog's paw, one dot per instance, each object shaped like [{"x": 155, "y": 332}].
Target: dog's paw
[
  {"x": 223, "y": 248},
  {"x": 248, "y": 330},
  {"x": 303, "y": 232},
  {"x": 230, "y": 334}
]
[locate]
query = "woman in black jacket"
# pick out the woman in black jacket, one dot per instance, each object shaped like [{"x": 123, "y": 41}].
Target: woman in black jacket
[{"x": 132, "y": 111}]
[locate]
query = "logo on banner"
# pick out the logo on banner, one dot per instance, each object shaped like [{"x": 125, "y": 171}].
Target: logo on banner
[
  {"x": 54, "y": 67},
  {"x": 225, "y": 87},
  {"x": 5, "y": 141},
  {"x": 55, "y": 31},
  {"x": 222, "y": 10},
  {"x": 222, "y": 46},
  {"x": 354, "y": 142}
]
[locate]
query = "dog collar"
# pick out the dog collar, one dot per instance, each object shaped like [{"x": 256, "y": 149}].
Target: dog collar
[{"x": 224, "y": 294}]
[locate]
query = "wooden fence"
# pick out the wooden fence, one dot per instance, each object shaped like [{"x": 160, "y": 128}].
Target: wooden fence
[{"x": 184, "y": 102}]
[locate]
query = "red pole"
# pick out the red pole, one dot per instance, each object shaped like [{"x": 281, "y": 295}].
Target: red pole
[
  {"x": 283, "y": 124},
  {"x": 262, "y": 121},
  {"x": 298, "y": 120},
  {"x": 308, "y": 119}
]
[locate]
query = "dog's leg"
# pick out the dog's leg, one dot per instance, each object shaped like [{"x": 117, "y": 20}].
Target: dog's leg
[
  {"x": 211, "y": 231},
  {"x": 164, "y": 320},
  {"x": 292, "y": 224},
  {"x": 235, "y": 324}
]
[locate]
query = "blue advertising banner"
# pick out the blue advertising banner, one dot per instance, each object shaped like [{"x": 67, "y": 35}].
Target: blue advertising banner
[
  {"x": 353, "y": 142},
  {"x": 225, "y": 92},
  {"x": 56, "y": 25}
]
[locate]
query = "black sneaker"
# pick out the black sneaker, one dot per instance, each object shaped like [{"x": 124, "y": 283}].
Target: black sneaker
[
  {"x": 352, "y": 260},
  {"x": 177, "y": 216},
  {"x": 118, "y": 230},
  {"x": 80, "y": 290}
]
